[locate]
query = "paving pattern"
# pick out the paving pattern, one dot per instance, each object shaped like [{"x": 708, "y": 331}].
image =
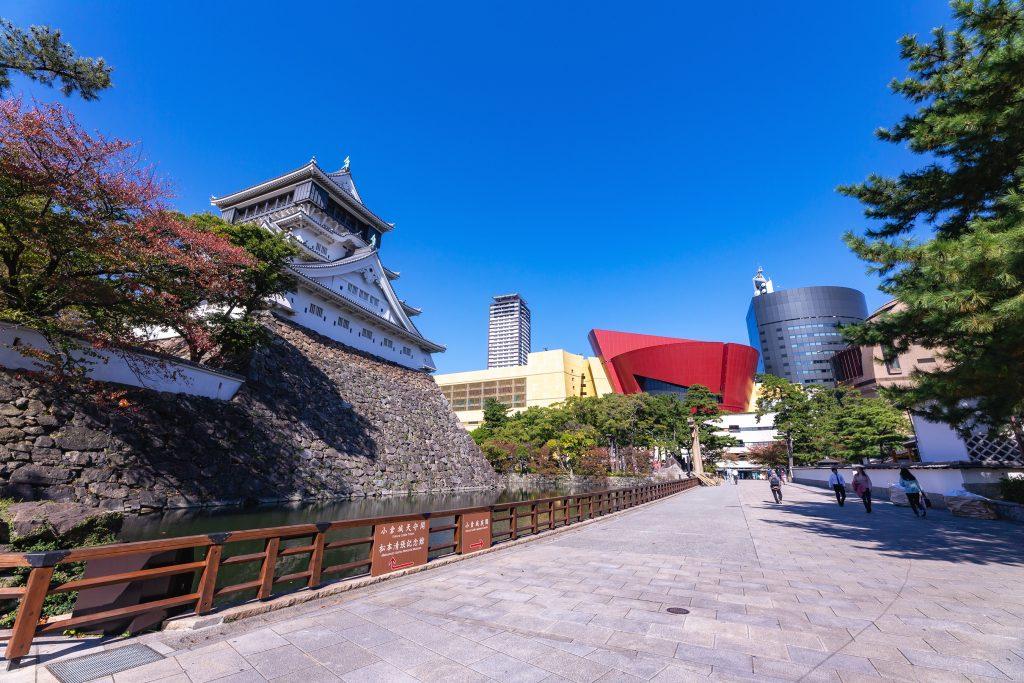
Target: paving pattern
[{"x": 805, "y": 590}]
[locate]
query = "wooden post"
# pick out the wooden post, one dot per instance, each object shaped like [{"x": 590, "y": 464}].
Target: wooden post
[
  {"x": 29, "y": 609},
  {"x": 316, "y": 560},
  {"x": 267, "y": 570},
  {"x": 513, "y": 523},
  {"x": 209, "y": 579},
  {"x": 534, "y": 521},
  {"x": 551, "y": 514}
]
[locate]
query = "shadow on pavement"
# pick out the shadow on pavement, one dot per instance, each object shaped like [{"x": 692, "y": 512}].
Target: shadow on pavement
[{"x": 894, "y": 530}]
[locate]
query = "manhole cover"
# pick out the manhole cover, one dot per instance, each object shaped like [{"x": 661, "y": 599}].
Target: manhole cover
[
  {"x": 91, "y": 667},
  {"x": 677, "y": 610}
]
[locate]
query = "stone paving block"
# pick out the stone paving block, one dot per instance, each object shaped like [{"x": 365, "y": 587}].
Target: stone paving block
[
  {"x": 642, "y": 643},
  {"x": 289, "y": 625},
  {"x": 516, "y": 645},
  {"x": 164, "y": 668},
  {"x": 718, "y": 658},
  {"x": 381, "y": 672},
  {"x": 680, "y": 634},
  {"x": 406, "y": 655},
  {"x": 211, "y": 662},
  {"x": 570, "y": 667},
  {"x": 447, "y": 672},
  {"x": 584, "y": 633},
  {"x": 309, "y": 639},
  {"x": 316, "y": 674},
  {"x": 620, "y": 623},
  {"x": 630, "y": 662},
  {"x": 831, "y": 660},
  {"x": 897, "y": 671},
  {"x": 952, "y": 663},
  {"x": 368, "y": 635},
  {"x": 344, "y": 657},
  {"x": 280, "y": 661},
  {"x": 502, "y": 667},
  {"x": 257, "y": 641}
]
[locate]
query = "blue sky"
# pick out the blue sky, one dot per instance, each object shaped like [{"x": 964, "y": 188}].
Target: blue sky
[{"x": 623, "y": 166}]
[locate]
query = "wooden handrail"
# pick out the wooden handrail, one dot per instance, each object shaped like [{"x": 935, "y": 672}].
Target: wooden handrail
[{"x": 517, "y": 519}]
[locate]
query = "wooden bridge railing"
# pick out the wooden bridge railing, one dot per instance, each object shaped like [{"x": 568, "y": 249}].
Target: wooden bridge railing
[{"x": 278, "y": 552}]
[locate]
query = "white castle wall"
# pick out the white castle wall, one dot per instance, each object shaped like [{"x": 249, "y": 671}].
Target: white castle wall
[{"x": 135, "y": 369}]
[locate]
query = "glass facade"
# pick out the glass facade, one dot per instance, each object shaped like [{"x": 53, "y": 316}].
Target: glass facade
[{"x": 797, "y": 330}]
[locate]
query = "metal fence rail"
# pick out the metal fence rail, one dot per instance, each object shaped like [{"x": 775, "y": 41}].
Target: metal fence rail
[{"x": 257, "y": 560}]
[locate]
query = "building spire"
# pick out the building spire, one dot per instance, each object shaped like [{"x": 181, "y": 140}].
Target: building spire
[{"x": 762, "y": 283}]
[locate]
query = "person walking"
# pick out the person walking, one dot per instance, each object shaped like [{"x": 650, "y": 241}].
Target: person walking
[
  {"x": 913, "y": 490},
  {"x": 838, "y": 485},
  {"x": 776, "y": 486},
  {"x": 862, "y": 487}
]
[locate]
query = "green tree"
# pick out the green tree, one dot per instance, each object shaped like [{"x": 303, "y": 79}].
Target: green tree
[
  {"x": 495, "y": 413},
  {"x": 41, "y": 55},
  {"x": 230, "y": 317},
  {"x": 960, "y": 291},
  {"x": 702, "y": 412},
  {"x": 867, "y": 427},
  {"x": 792, "y": 407}
]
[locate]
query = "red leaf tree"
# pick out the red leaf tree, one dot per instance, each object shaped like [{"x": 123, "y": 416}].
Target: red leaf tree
[{"x": 88, "y": 249}]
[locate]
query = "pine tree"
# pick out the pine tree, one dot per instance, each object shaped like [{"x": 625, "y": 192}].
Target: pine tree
[
  {"x": 41, "y": 55},
  {"x": 962, "y": 292}
]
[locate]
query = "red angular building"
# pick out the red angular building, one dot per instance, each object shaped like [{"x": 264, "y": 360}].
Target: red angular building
[{"x": 638, "y": 363}]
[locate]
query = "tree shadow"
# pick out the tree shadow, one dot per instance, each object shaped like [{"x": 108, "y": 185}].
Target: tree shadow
[{"x": 893, "y": 530}]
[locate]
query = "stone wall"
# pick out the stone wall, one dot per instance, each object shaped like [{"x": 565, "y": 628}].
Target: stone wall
[{"x": 315, "y": 419}]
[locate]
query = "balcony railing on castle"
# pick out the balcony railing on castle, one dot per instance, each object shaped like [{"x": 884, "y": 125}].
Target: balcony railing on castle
[{"x": 258, "y": 564}]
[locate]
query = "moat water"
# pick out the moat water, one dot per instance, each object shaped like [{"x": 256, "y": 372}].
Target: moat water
[{"x": 207, "y": 520}]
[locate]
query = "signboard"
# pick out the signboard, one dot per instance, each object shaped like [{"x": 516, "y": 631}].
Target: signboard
[
  {"x": 475, "y": 532},
  {"x": 399, "y": 545}
]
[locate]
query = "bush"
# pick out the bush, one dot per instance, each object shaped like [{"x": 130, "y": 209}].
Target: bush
[{"x": 1012, "y": 489}]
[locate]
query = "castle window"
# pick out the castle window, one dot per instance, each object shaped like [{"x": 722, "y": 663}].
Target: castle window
[
  {"x": 388, "y": 343},
  {"x": 352, "y": 289},
  {"x": 406, "y": 351},
  {"x": 366, "y": 333},
  {"x": 316, "y": 310},
  {"x": 343, "y": 322}
]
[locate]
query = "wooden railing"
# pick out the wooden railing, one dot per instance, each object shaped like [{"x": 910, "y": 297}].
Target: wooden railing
[{"x": 341, "y": 549}]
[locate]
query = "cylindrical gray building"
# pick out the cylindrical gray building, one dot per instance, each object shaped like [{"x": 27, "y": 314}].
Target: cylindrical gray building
[{"x": 796, "y": 330}]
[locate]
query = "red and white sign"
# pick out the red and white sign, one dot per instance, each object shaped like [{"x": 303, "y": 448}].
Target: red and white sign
[
  {"x": 475, "y": 532},
  {"x": 399, "y": 545}
]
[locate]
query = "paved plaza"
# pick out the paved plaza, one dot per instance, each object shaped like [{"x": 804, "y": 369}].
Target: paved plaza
[{"x": 799, "y": 591}]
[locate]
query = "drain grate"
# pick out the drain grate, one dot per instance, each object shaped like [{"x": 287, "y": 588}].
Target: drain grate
[
  {"x": 677, "y": 610},
  {"x": 90, "y": 667}
]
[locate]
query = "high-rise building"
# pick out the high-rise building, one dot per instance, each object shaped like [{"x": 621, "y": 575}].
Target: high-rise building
[
  {"x": 797, "y": 330},
  {"x": 508, "y": 333}
]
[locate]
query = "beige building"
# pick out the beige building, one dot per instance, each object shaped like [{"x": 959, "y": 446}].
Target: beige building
[
  {"x": 548, "y": 377},
  {"x": 867, "y": 368}
]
